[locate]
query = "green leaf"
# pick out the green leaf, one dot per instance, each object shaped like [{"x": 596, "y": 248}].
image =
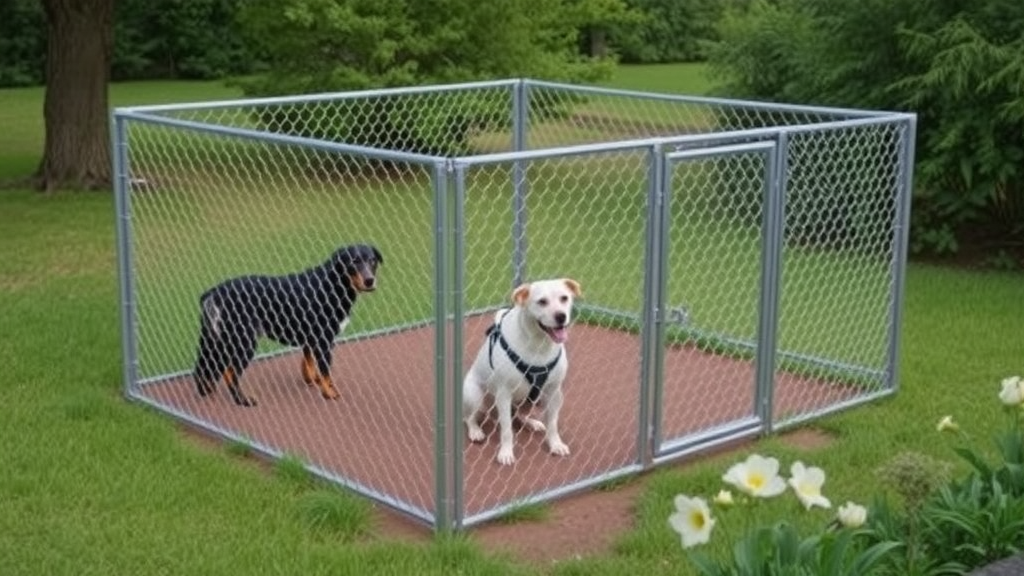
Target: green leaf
[
  {"x": 867, "y": 561},
  {"x": 975, "y": 460},
  {"x": 705, "y": 565}
]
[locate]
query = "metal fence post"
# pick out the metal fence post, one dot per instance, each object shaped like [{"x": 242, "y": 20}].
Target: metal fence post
[
  {"x": 458, "y": 312},
  {"x": 520, "y": 127},
  {"x": 442, "y": 438},
  {"x": 773, "y": 228},
  {"x": 122, "y": 186},
  {"x": 652, "y": 329},
  {"x": 901, "y": 231}
]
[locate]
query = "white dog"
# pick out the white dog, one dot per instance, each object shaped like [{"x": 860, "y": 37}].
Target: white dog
[{"x": 522, "y": 361}]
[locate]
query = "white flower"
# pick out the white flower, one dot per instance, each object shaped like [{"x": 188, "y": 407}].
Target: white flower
[
  {"x": 758, "y": 476},
  {"x": 807, "y": 482},
  {"x": 852, "y": 515},
  {"x": 947, "y": 425},
  {"x": 724, "y": 498},
  {"x": 692, "y": 519},
  {"x": 1012, "y": 393}
]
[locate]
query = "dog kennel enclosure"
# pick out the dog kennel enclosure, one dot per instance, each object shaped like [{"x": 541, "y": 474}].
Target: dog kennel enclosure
[{"x": 741, "y": 263}]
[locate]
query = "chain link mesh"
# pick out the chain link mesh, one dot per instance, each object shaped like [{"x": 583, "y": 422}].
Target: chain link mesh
[
  {"x": 713, "y": 291},
  {"x": 213, "y": 198},
  {"x": 581, "y": 218},
  {"x": 206, "y": 208},
  {"x": 837, "y": 290}
]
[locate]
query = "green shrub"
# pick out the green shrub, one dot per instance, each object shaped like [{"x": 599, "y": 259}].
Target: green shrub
[
  {"x": 959, "y": 67},
  {"x": 317, "y": 46},
  {"x": 953, "y": 526}
]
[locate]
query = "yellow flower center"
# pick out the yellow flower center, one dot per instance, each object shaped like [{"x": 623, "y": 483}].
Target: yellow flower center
[
  {"x": 697, "y": 520},
  {"x": 756, "y": 481}
]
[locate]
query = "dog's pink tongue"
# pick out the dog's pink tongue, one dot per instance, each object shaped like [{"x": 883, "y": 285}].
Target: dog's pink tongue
[{"x": 558, "y": 334}]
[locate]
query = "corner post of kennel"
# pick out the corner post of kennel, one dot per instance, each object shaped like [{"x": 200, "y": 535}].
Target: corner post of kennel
[
  {"x": 901, "y": 231},
  {"x": 443, "y": 449},
  {"x": 458, "y": 300},
  {"x": 122, "y": 202}
]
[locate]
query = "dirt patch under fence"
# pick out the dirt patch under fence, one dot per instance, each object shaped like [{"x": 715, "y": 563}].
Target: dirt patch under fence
[{"x": 380, "y": 434}]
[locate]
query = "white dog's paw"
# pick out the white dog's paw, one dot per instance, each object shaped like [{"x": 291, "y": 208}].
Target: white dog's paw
[
  {"x": 475, "y": 433},
  {"x": 557, "y": 447},
  {"x": 535, "y": 425},
  {"x": 506, "y": 457}
]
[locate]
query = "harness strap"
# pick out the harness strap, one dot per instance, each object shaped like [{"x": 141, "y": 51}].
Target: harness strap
[{"x": 536, "y": 376}]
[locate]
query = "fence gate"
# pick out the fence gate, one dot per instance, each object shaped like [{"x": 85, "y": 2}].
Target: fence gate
[{"x": 713, "y": 359}]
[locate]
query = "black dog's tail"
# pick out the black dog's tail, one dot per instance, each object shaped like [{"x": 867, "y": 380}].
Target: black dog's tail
[{"x": 211, "y": 359}]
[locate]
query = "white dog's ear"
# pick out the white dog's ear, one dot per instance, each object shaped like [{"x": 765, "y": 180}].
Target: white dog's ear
[
  {"x": 521, "y": 294},
  {"x": 573, "y": 286}
]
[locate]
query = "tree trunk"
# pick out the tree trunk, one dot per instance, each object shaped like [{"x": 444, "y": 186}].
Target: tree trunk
[{"x": 76, "y": 153}]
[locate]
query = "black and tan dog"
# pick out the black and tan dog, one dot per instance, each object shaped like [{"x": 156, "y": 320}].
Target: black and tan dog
[{"x": 307, "y": 309}]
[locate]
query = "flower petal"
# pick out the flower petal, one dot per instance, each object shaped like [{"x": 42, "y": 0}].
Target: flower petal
[
  {"x": 852, "y": 515},
  {"x": 724, "y": 498},
  {"x": 692, "y": 520},
  {"x": 773, "y": 487}
]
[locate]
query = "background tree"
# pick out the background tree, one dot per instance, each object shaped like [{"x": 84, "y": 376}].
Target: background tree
[
  {"x": 190, "y": 39},
  {"x": 76, "y": 152},
  {"x": 667, "y": 30},
  {"x": 316, "y": 45},
  {"x": 22, "y": 43},
  {"x": 959, "y": 66},
  {"x": 332, "y": 45}
]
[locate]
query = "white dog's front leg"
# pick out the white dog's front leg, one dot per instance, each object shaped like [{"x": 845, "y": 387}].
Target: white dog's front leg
[
  {"x": 503, "y": 404},
  {"x": 472, "y": 400},
  {"x": 551, "y": 409}
]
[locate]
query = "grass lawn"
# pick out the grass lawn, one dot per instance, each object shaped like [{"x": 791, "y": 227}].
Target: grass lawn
[
  {"x": 21, "y": 140},
  {"x": 688, "y": 79},
  {"x": 90, "y": 484}
]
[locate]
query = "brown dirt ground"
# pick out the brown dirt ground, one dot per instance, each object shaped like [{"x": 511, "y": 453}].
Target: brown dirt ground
[
  {"x": 700, "y": 391},
  {"x": 586, "y": 524}
]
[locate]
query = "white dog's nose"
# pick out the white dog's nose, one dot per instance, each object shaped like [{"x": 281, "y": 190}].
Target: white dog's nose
[{"x": 560, "y": 318}]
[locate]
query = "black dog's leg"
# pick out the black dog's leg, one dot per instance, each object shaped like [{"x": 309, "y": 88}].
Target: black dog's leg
[
  {"x": 309, "y": 369},
  {"x": 244, "y": 350},
  {"x": 209, "y": 363},
  {"x": 322, "y": 355},
  {"x": 232, "y": 377}
]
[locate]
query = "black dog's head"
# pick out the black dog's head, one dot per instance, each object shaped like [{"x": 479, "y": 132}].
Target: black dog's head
[{"x": 359, "y": 264}]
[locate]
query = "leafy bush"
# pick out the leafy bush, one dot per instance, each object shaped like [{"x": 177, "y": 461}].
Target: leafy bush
[
  {"x": 959, "y": 67},
  {"x": 953, "y": 526},
  {"x": 152, "y": 39},
  {"x": 22, "y": 43},
  {"x": 779, "y": 550},
  {"x": 666, "y": 30},
  {"x": 316, "y": 46},
  {"x": 972, "y": 85},
  {"x": 192, "y": 39},
  {"x": 974, "y": 523},
  {"x": 946, "y": 526}
]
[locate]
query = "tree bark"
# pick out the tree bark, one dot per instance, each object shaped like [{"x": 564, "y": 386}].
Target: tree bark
[{"x": 76, "y": 153}]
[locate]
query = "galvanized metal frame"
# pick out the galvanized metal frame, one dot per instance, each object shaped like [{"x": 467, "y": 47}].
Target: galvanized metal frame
[
  {"x": 449, "y": 193},
  {"x": 771, "y": 248}
]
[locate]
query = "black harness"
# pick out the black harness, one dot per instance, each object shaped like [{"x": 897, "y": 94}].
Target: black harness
[{"x": 536, "y": 376}]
